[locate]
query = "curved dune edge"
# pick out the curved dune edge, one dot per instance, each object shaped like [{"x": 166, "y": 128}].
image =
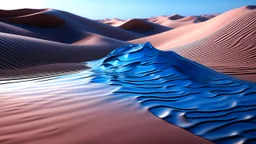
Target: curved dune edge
[
  {"x": 38, "y": 18},
  {"x": 67, "y": 110},
  {"x": 20, "y": 12}
]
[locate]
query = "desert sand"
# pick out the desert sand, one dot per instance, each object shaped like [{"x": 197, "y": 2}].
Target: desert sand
[{"x": 68, "y": 79}]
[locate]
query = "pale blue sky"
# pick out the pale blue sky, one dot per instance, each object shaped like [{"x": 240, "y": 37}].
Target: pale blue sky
[{"x": 100, "y": 9}]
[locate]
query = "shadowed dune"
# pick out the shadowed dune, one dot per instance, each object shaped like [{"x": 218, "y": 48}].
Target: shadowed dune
[
  {"x": 175, "y": 17},
  {"x": 142, "y": 26},
  {"x": 21, "y": 52},
  {"x": 64, "y": 24},
  {"x": 20, "y": 12},
  {"x": 40, "y": 19}
]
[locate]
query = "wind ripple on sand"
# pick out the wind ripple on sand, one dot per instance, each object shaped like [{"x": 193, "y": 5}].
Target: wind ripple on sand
[{"x": 231, "y": 48}]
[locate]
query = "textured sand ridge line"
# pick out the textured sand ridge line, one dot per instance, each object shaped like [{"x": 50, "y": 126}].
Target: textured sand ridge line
[{"x": 209, "y": 104}]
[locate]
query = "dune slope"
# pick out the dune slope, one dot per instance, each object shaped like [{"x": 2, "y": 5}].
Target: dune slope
[{"x": 20, "y": 52}]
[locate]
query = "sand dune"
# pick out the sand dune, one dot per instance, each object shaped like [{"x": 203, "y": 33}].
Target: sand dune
[
  {"x": 20, "y": 12},
  {"x": 21, "y": 52},
  {"x": 175, "y": 17},
  {"x": 65, "y": 24},
  {"x": 37, "y": 18},
  {"x": 142, "y": 26},
  {"x": 112, "y": 22},
  {"x": 176, "y": 21},
  {"x": 231, "y": 50}
]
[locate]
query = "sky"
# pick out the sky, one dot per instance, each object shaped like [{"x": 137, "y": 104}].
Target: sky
[{"x": 124, "y": 9}]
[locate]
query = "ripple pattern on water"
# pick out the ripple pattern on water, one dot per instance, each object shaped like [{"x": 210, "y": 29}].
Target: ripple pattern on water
[{"x": 182, "y": 92}]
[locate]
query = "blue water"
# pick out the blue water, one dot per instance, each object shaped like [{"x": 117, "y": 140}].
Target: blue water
[{"x": 182, "y": 92}]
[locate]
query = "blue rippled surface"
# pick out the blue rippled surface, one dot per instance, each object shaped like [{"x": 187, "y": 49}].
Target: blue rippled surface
[{"x": 182, "y": 92}]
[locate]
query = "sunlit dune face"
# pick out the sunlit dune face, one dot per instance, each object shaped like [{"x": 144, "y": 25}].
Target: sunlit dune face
[{"x": 16, "y": 4}]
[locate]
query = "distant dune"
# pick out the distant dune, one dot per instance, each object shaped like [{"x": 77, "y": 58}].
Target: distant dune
[{"x": 143, "y": 26}]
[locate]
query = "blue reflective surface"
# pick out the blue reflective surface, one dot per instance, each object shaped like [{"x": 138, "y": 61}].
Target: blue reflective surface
[{"x": 182, "y": 92}]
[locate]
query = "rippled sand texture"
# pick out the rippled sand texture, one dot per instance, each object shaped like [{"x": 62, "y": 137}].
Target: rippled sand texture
[
  {"x": 68, "y": 109},
  {"x": 182, "y": 92}
]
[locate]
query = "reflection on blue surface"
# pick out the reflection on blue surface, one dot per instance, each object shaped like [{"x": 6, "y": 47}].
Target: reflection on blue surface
[{"x": 182, "y": 92}]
